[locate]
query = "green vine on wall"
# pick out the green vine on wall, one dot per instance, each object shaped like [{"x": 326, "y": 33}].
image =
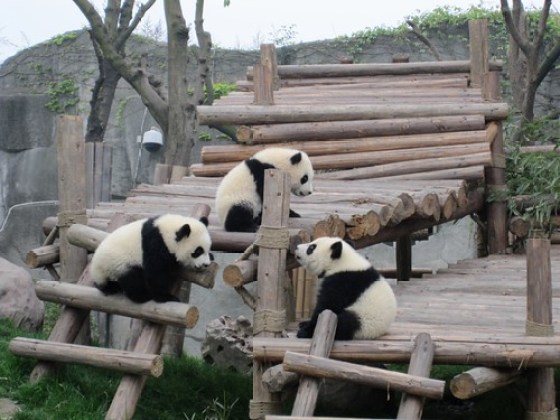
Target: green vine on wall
[{"x": 63, "y": 95}]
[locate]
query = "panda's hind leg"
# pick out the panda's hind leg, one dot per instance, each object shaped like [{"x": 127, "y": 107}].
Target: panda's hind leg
[
  {"x": 347, "y": 325},
  {"x": 110, "y": 288},
  {"x": 240, "y": 219},
  {"x": 133, "y": 284}
]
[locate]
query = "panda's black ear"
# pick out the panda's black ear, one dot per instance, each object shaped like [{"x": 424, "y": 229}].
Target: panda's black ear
[
  {"x": 350, "y": 242},
  {"x": 204, "y": 220},
  {"x": 295, "y": 159},
  {"x": 184, "y": 232},
  {"x": 336, "y": 250}
]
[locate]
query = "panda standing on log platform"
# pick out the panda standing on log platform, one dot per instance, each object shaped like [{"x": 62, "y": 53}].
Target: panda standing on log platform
[
  {"x": 239, "y": 198},
  {"x": 143, "y": 259},
  {"x": 350, "y": 287}
]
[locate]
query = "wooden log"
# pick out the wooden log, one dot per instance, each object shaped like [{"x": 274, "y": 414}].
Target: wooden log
[
  {"x": 375, "y": 377},
  {"x": 122, "y": 361},
  {"x": 77, "y": 296},
  {"x": 420, "y": 365},
  {"x": 71, "y": 192},
  {"x": 42, "y": 256},
  {"x": 65, "y": 330},
  {"x": 297, "y": 71},
  {"x": 519, "y": 227},
  {"x": 271, "y": 297},
  {"x": 408, "y": 167},
  {"x": 474, "y": 172},
  {"x": 262, "y": 114},
  {"x": 128, "y": 392},
  {"x": 240, "y": 273},
  {"x": 510, "y": 352},
  {"x": 321, "y": 344},
  {"x": 314, "y": 147},
  {"x": 541, "y": 395},
  {"x": 326, "y": 130},
  {"x": 480, "y": 380}
]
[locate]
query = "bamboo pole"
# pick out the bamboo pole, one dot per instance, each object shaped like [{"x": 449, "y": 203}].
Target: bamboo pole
[
  {"x": 321, "y": 344},
  {"x": 375, "y": 377},
  {"x": 122, "y": 361},
  {"x": 169, "y": 313}
]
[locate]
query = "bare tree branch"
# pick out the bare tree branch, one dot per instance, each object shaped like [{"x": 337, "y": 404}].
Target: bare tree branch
[
  {"x": 512, "y": 28},
  {"x": 135, "y": 22},
  {"x": 548, "y": 63},
  {"x": 416, "y": 30}
]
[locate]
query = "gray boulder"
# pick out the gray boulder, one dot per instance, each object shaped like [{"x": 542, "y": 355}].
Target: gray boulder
[{"x": 18, "y": 300}]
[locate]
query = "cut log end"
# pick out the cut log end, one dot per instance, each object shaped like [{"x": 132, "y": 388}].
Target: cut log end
[
  {"x": 157, "y": 367},
  {"x": 191, "y": 317}
]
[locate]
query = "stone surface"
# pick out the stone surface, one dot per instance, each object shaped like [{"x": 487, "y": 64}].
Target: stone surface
[
  {"x": 18, "y": 300},
  {"x": 8, "y": 409},
  {"x": 227, "y": 343}
]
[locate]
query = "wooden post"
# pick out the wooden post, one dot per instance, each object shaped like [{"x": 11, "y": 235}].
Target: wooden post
[
  {"x": 541, "y": 392},
  {"x": 269, "y": 60},
  {"x": 403, "y": 250},
  {"x": 479, "y": 380},
  {"x": 478, "y": 43},
  {"x": 162, "y": 174},
  {"x": 321, "y": 344},
  {"x": 420, "y": 365},
  {"x": 71, "y": 192},
  {"x": 263, "y": 85},
  {"x": 270, "y": 313},
  {"x": 495, "y": 176},
  {"x": 98, "y": 172}
]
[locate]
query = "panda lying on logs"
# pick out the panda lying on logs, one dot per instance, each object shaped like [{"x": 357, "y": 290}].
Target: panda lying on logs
[
  {"x": 239, "y": 197},
  {"x": 143, "y": 258},
  {"x": 350, "y": 287}
]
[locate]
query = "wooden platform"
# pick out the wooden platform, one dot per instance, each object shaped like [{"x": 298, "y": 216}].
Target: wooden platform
[{"x": 480, "y": 298}]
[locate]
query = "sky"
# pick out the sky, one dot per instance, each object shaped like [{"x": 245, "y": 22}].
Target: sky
[{"x": 244, "y": 24}]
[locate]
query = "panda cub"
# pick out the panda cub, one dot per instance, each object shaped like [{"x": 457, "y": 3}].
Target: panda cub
[
  {"x": 143, "y": 258},
  {"x": 350, "y": 287},
  {"x": 239, "y": 197}
]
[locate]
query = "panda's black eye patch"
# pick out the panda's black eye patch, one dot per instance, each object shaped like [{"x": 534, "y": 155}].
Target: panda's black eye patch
[
  {"x": 310, "y": 249},
  {"x": 197, "y": 252},
  {"x": 304, "y": 179}
]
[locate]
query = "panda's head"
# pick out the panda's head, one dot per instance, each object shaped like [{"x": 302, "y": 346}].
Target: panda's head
[
  {"x": 330, "y": 255},
  {"x": 295, "y": 163},
  {"x": 187, "y": 238}
]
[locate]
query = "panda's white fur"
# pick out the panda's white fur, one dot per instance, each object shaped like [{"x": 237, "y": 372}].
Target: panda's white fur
[
  {"x": 143, "y": 258},
  {"x": 361, "y": 298},
  {"x": 240, "y": 194}
]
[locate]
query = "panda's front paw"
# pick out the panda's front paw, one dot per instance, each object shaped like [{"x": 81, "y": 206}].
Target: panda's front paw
[{"x": 305, "y": 330}]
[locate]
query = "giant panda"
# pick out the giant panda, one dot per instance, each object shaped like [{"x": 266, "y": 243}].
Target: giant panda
[
  {"x": 239, "y": 197},
  {"x": 143, "y": 258},
  {"x": 350, "y": 287}
]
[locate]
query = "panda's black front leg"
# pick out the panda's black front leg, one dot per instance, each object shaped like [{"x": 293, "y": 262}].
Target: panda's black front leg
[
  {"x": 307, "y": 328},
  {"x": 294, "y": 214}
]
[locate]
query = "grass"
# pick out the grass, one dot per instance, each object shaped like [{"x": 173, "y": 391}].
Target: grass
[{"x": 188, "y": 389}]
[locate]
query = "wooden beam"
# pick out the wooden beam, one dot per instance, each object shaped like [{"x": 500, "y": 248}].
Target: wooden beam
[
  {"x": 480, "y": 380},
  {"x": 122, "y": 361},
  {"x": 375, "y": 377},
  {"x": 77, "y": 296}
]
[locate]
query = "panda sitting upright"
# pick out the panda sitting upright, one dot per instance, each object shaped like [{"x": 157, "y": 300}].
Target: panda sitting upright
[
  {"x": 350, "y": 287},
  {"x": 143, "y": 258},
  {"x": 239, "y": 197}
]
